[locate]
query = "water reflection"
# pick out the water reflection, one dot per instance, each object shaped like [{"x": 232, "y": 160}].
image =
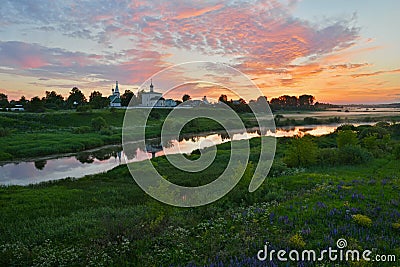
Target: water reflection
[
  {"x": 101, "y": 160},
  {"x": 40, "y": 164}
]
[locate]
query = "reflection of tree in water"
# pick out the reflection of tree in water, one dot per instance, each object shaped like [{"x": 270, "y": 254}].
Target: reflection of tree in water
[
  {"x": 85, "y": 157},
  {"x": 102, "y": 154},
  {"x": 153, "y": 146},
  {"x": 107, "y": 153},
  {"x": 288, "y": 129},
  {"x": 224, "y": 136},
  {"x": 40, "y": 164}
]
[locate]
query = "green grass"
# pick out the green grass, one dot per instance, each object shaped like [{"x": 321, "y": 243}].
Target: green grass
[{"x": 106, "y": 219}]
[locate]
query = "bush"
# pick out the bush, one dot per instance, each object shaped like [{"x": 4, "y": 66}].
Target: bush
[
  {"x": 278, "y": 168},
  {"x": 82, "y": 130},
  {"x": 346, "y": 138},
  {"x": 310, "y": 120},
  {"x": 379, "y": 132},
  {"x": 334, "y": 120},
  {"x": 297, "y": 241},
  {"x": 396, "y": 152},
  {"x": 362, "y": 220},
  {"x": 328, "y": 156},
  {"x": 4, "y": 132},
  {"x": 84, "y": 109},
  {"x": 106, "y": 131},
  {"x": 98, "y": 123},
  {"x": 353, "y": 155},
  {"x": 5, "y": 156},
  {"x": 345, "y": 127},
  {"x": 302, "y": 152}
]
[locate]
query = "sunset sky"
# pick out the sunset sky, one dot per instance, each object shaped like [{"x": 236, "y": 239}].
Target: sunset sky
[{"x": 341, "y": 51}]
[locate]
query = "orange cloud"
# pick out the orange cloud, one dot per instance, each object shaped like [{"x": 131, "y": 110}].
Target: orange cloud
[{"x": 358, "y": 75}]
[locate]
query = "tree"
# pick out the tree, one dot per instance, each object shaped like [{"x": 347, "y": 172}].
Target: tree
[
  {"x": 76, "y": 98},
  {"x": 22, "y": 101},
  {"x": 186, "y": 97},
  {"x": 53, "y": 100},
  {"x": 96, "y": 100},
  {"x": 127, "y": 97},
  {"x": 223, "y": 98},
  {"x": 262, "y": 99},
  {"x": 3, "y": 100},
  {"x": 35, "y": 105},
  {"x": 306, "y": 100}
]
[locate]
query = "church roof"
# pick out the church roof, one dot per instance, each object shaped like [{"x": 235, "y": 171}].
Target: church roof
[{"x": 114, "y": 99}]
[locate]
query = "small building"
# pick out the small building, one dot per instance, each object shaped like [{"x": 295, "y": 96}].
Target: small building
[
  {"x": 152, "y": 98},
  {"x": 17, "y": 108},
  {"x": 115, "y": 98},
  {"x": 170, "y": 103}
]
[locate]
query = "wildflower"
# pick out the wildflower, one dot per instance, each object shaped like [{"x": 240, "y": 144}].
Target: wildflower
[
  {"x": 362, "y": 220},
  {"x": 297, "y": 241}
]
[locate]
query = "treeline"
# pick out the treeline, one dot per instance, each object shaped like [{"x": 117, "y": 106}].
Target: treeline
[
  {"x": 285, "y": 102},
  {"x": 54, "y": 101},
  {"x": 77, "y": 100}
]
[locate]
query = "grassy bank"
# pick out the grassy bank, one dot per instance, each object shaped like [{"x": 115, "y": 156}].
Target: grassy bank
[
  {"x": 28, "y": 135},
  {"x": 106, "y": 219}
]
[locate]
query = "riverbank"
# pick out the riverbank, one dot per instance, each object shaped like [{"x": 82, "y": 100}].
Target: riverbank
[{"x": 31, "y": 135}]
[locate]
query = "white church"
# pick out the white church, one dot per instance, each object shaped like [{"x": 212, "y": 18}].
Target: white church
[
  {"x": 115, "y": 98},
  {"x": 155, "y": 99}
]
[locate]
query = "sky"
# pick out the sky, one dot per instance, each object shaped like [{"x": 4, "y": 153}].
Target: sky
[{"x": 342, "y": 51}]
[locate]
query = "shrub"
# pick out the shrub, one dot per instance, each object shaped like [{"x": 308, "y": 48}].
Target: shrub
[
  {"x": 84, "y": 109},
  {"x": 302, "y": 152},
  {"x": 353, "y": 155},
  {"x": 396, "y": 152},
  {"x": 346, "y": 138},
  {"x": 345, "y": 127},
  {"x": 334, "y": 120},
  {"x": 106, "y": 131},
  {"x": 98, "y": 123},
  {"x": 310, "y": 120},
  {"x": 5, "y": 156},
  {"x": 82, "y": 130},
  {"x": 278, "y": 168},
  {"x": 362, "y": 220},
  {"x": 328, "y": 156},
  {"x": 377, "y": 131},
  {"x": 4, "y": 132}
]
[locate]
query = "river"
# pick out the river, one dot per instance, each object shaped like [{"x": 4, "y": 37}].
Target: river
[{"x": 107, "y": 158}]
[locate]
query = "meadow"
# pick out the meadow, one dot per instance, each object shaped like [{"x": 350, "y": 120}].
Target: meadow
[{"x": 320, "y": 189}]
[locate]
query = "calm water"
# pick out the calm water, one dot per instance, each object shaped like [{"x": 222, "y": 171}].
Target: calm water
[{"x": 105, "y": 159}]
